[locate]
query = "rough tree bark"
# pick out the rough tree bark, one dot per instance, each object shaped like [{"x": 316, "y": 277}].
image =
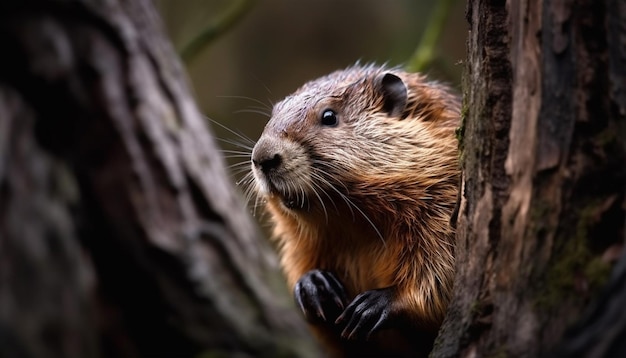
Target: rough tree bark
[
  {"x": 543, "y": 211},
  {"x": 120, "y": 234}
]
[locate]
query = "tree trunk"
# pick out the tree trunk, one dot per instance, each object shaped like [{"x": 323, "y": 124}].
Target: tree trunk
[
  {"x": 543, "y": 211},
  {"x": 120, "y": 233}
]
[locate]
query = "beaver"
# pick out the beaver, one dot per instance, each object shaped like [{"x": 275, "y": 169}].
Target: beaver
[{"x": 359, "y": 173}]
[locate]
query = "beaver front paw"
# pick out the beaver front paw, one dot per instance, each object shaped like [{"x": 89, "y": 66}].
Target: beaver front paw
[
  {"x": 367, "y": 313},
  {"x": 320, "y": 296}
]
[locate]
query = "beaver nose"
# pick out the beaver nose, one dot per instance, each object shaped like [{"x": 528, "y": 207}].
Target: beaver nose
[
  {"x": 266, "y": 156},
  {"x": 269, "y": 163}
]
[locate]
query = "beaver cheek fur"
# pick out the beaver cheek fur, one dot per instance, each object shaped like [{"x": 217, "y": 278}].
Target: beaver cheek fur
[{"x": 361, "y": 209}]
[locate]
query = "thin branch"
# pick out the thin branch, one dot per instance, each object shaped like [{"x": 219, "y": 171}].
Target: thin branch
[
  {"x": 424, "y": 54},
  {"x": 219, "y": 26}
]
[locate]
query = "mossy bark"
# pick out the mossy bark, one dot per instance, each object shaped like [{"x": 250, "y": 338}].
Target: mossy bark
[
  {"x": 120, "y": 233},
  {"x": 542, "y": 216}
]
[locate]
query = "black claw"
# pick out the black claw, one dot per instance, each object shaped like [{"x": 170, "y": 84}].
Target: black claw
[
  {"x": 303, "y": 301},
  {"x": 320, "y": 296},
  {"x": 380, "y": 323},
  {"x": 333, "y": 285},
  {"x": 367, "y": 313}
]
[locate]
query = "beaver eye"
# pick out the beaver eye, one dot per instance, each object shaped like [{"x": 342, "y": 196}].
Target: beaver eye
[{"x": 329, "y": 118}]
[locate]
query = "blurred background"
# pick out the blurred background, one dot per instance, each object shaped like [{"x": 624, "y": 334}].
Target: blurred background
[{"x": 277, "y": 45}]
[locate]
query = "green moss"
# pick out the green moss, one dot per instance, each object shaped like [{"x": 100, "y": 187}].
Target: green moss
[
  {"x": 574, "y": 264},
  {"x": 538, "y": 212},
  {"x": 606, "y": 138},
  {"x": 597, "y": 271},
  {"x": 464, "y": 113},
  {"x": 560, "y": 277},
  {"x": 458, "y": 133},
  {"x": 476, "y": 308}
]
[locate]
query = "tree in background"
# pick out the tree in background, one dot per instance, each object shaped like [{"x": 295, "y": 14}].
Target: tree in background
[{"x": 120, "y": 234}]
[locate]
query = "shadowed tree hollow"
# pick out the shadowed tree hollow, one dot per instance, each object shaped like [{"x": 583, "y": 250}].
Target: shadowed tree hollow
[{"x": 121, "y": 235}]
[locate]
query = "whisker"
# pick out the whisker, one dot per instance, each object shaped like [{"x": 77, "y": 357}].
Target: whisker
[
  {"x": 312, "y": 187},
  {"x": 352, "y": 204},
  {"x": 328, "y": 184},
  {"x": 368, "y": 220},
  {"x": 330, "y": 166},
  {"x": 230, "y": 151},
  {"x": 239, "y": 135},
  {"x": 237, "y": 144},
  {"x": 261, "y": 103},
  {"x": 244, "y": 164},
  {"x": 239, "y": 171},
  {"x": 247, "y": 181},
  {"x": 254, "y": 111},
  {"x": 319, "y": 177},
  {"x": 264, "y": 86},
  {"x": 234, "y": 156}
]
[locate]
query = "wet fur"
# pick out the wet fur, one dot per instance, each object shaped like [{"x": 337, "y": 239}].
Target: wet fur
[{"x": 387, "y": 186}]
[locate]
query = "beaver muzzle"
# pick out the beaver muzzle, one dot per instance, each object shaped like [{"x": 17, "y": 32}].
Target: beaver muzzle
[{"x": 280, "y": 168}]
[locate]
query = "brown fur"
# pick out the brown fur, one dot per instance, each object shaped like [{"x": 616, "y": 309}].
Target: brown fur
[{"x": 374, "y": 194}]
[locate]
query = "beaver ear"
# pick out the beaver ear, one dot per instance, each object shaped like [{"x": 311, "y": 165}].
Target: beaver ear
[{"x": 394, "y": 94}]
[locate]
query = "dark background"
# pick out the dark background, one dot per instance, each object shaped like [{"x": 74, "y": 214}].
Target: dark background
[{"x": 280, "y": 44}]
